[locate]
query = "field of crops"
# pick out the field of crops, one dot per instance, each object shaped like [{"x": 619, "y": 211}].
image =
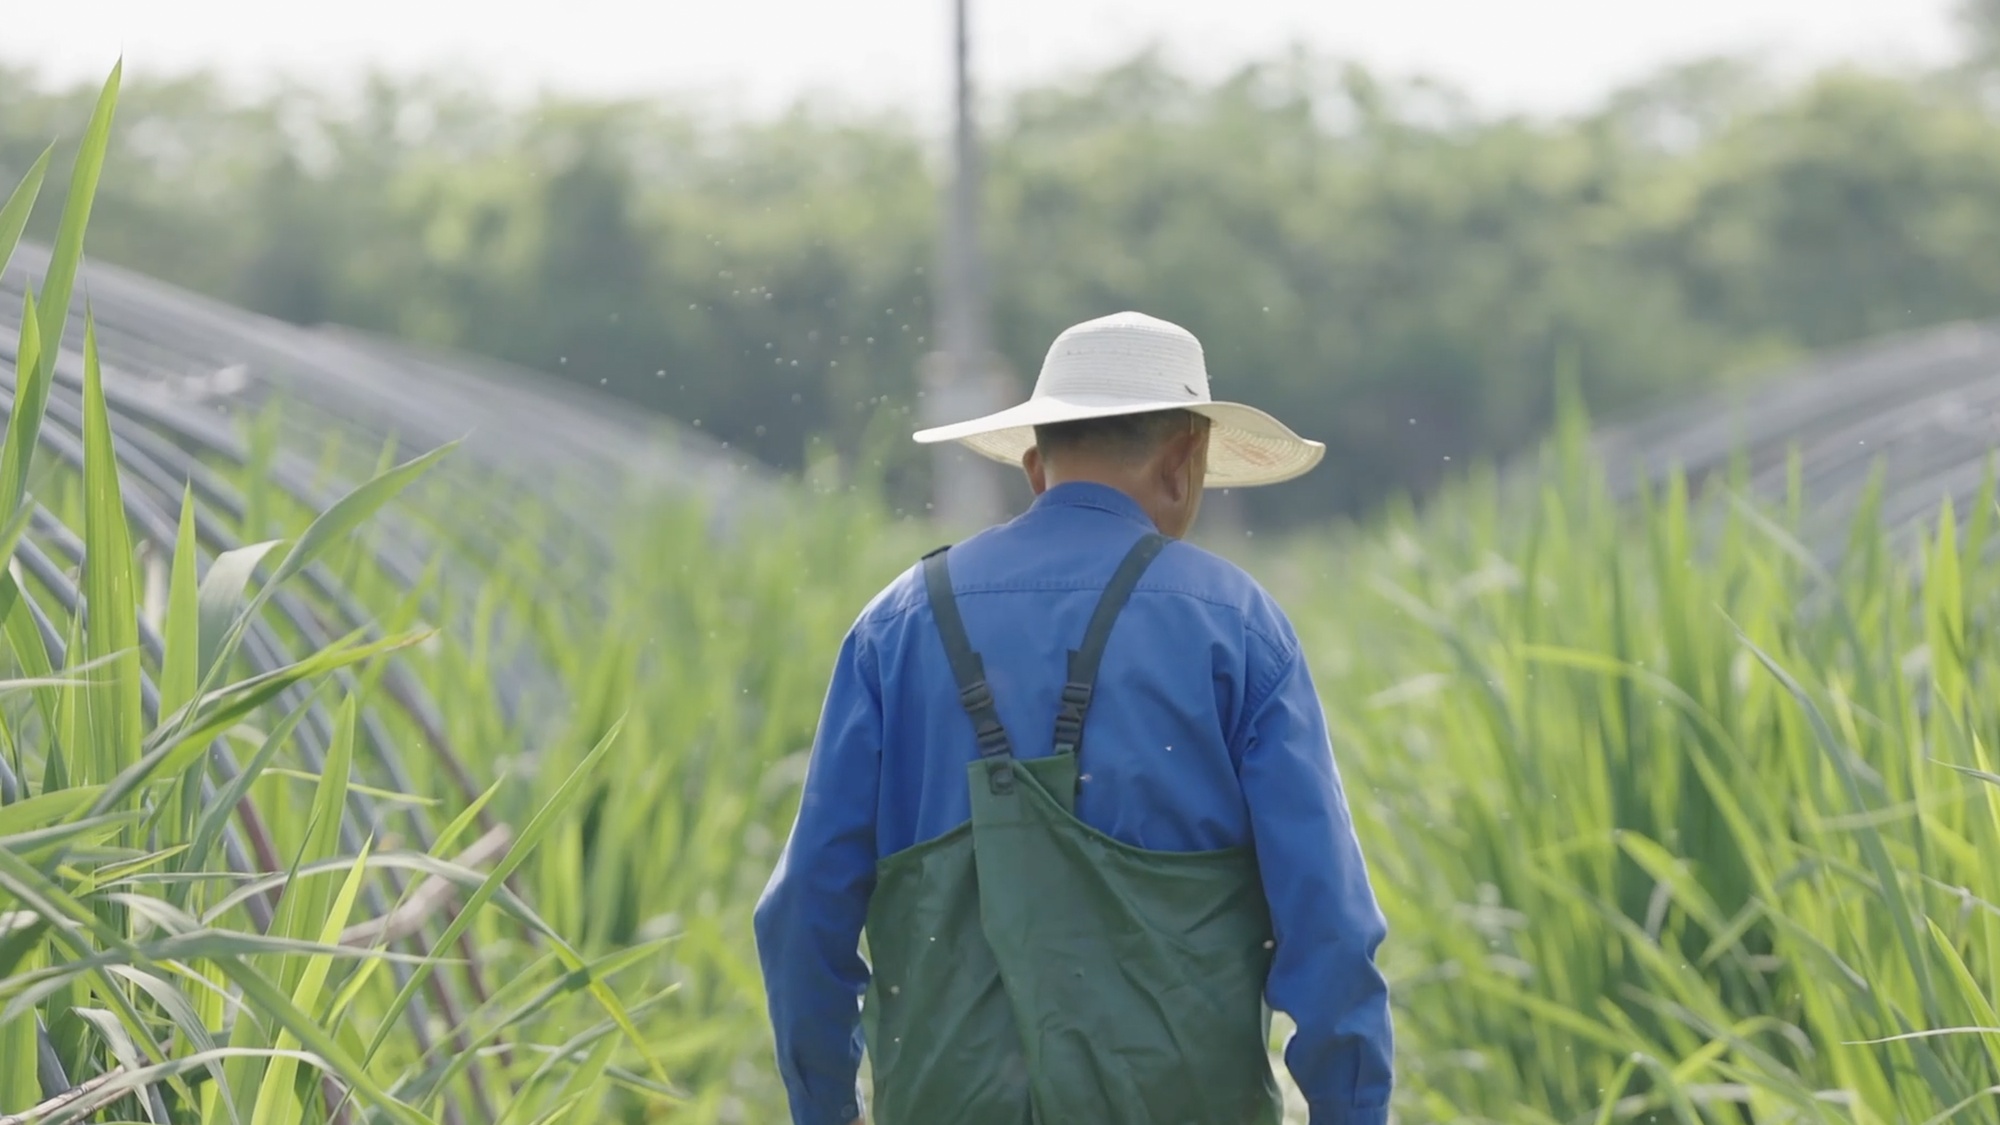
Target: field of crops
[{"x": 1670, "y": 823}]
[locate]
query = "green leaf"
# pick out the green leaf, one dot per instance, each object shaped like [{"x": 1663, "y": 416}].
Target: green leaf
[
  {"x": 333, "y": 525},
  {"x": 1970, "y": 988},
  {"x": 158, "y": 913},
  {"x": 221, "y": 711},
  {"x": 1945, "y": 611},
  {"x": 14, "y": 214},
  {"x": 22, "y": 942},
  {"x": 187, "y": 1022},
  {"x": 214, "y": 819},
  {"x": 544, "y": 821},
  {"x": 10, "y": 535},
  {"x": 122, "y": 1048},
  {"x": 352, "y": 510},
  {"x": 301, "y": 913},
  {"x": 596, "y": 1041},
  {"x": 303, "y": 908},
  {"x": 45, "y": 897},
  {"x": 560, "y": 1110},
  {"x": 42, "y": 323},
  {"x": 448, "y": 836},
  {"x": 113, "y": 715},
  {"x": 285, "y": 1015},
  {"x": 24, "y": 637},
  {"x": 1670, "y": 871},
  {"x": 180, "y": 666},
  {"x": 1976, "y": 774},
  {"x": 276, "y": 1101},
  {"x": 462, "y": 877},
  {"x": 60, "y": 280},
  {"x": 27, "y": 988},
  {"x": 224, "y": 592},
  {"x": 35, "y": 843},
  {"x": 125, "y": 1083},
  {"x": 488, "y": 1030},
  {"x": 175, "y": 744},
  {"x": 374, "y": 792},
  {"x": 17, "y": 451},
  {"x": 46, "y": 809}
]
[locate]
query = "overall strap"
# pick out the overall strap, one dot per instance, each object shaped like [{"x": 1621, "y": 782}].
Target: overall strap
[
  {"x": 1084, "y": 659},
  {"x": 966, "y": 667}
]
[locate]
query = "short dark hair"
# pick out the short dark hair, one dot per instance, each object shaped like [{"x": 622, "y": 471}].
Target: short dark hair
[{"x": 1122, "y": 435}]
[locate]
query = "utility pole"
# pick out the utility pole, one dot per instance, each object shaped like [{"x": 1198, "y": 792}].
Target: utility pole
[{"x": 959, "y": 379}]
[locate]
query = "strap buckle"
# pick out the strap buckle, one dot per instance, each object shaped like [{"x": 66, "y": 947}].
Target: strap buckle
[
  {"x": 992, "y": 738},
  {"x": 1070, "y": 715},
  {"x": 978, "y": 701},
  {"x": 976, "y": 696},
  {"x": 1084, "y": 659},
  {"x": 966, "y": 668}
]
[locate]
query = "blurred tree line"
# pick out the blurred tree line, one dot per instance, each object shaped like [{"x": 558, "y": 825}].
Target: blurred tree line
[{"x": 1398, "y": 273}]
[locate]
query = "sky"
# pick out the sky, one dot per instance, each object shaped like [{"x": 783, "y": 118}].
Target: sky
[{"x": 1537, "y": 56}]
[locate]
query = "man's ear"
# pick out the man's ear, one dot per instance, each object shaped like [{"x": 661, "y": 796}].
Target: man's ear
[
  {"x": 1174, "y": 458},
  {"x": 1038, "y": 475}
]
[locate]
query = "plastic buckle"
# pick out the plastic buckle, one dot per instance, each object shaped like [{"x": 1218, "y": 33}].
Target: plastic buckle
[
  {"x": 992, "y": 738},
  {"x": 977, "y": 697},
  {"x": 1069, "y": 717},
  {"x": 1000, "y": 779}
]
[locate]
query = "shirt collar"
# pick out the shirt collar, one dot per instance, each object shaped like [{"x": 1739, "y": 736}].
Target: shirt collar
[{"x": 1089, "y": 494}]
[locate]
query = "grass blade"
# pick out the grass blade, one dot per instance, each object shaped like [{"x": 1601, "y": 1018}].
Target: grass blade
[
  {"x": 61, "y": 277},
  {"x": 276, "y": 1104},
  {"x": 14, "y": 213},
  {"x": 112, "y": 707},
  {"x": 17, "y": 451},
  {"x": 215, "y": 817},
  {"x": 180, "y": 634},
  {"x": 223, "y": 594}
]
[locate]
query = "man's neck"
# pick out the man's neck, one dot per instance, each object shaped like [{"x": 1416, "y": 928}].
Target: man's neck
[{"x": 1123, "y": 483}]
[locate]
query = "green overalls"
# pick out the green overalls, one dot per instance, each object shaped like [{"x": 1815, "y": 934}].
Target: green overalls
[{"x": 1030, "y": 970}]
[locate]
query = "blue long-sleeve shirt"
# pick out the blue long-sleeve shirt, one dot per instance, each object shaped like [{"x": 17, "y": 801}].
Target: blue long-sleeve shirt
[{"x": 1204, "y": 732}]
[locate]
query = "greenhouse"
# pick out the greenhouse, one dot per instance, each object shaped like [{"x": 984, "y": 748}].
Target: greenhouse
[{"x": 1916, "y": 414}]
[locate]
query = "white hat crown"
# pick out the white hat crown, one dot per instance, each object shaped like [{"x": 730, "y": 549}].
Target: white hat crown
[{"x": 1125, "y": 357}]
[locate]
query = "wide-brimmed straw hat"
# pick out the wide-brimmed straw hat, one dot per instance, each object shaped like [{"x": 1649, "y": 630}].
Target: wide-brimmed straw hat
[{"x": 1130, "y": 363}]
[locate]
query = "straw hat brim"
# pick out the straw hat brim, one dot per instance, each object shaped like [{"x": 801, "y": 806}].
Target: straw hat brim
[{"x": 1246, "y": 447}]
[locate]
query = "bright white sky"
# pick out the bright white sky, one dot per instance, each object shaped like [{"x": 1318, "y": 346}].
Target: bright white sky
[{"x": 1535, "y": 55}]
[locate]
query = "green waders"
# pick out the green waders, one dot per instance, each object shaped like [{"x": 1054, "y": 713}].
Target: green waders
[{"x": 1030, "y": 970}]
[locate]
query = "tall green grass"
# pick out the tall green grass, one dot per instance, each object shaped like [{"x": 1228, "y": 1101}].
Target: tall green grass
[
  {"x": 1670, "y": 822},
  {"x": 147, "y": 971}
]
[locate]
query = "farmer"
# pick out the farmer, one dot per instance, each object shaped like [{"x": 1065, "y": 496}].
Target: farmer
[{"x": 1072, "y": 783}]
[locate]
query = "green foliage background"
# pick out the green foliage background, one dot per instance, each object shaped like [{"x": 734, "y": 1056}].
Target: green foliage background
[{"x": 1401, "y": 273}]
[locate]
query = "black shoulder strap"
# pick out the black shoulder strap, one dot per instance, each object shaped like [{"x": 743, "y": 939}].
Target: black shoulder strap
[
  {"x": 966, "y": 667},
  {"x": 1084, "y": 659}
]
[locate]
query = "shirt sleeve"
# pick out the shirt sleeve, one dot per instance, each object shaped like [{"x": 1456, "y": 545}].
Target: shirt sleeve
[
  {"x": 1323, "y": 909},
  {"x": 809, "y": 920}
]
